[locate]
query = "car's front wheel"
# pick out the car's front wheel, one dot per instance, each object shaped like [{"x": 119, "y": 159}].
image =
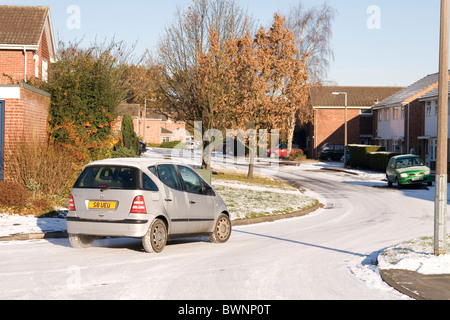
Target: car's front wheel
[
  {"x": 399, "y": 186},
  {"x": 222, "y": 230},
  {"x": 156, "y": 238},
  {"x": 81, "y": 241}
]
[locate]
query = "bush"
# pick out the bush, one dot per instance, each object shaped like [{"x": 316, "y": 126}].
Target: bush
[
  {"x": 44, "y": 170},
  {"x": 359, "y": 155},
  {"x": 378, "y": 161},
  {"x": 298, "y": 156},
  {"x": 123, "y": 152},
  {"x": 129, "y": 138},
  {"x": 13, "y": 194},
  {"x": 172, "y": 145}
]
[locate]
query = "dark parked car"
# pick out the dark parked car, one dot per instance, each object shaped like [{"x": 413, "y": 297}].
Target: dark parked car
[
  {"x": 142, "y": 147},
  {"x": 331, "y": 152}
]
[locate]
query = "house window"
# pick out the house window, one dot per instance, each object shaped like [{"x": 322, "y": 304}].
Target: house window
[
  {"x": 380, "y": 115},
  {"x": 36, "y": 65},
  {"x": 44, "y": 70},
  {"x": 397, "y": 145},
  {"x": 386, "y": 114},
  {"x": 403, "y": 112},
  {"x": 432, "y": 149},
  {"x": 395, "y": 113},
  {"x": 165, "y": 139},
  {"x": 436, "y": 108},
  {"x": 428, "y": 109}
]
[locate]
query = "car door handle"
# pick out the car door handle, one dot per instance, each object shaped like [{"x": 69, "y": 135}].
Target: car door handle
[
  {"x": 192, "y": 202},
  {"x": 168, "y": 199}
]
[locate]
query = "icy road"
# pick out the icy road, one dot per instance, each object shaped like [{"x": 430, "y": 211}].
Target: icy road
[{"x": 329, "y": 254}]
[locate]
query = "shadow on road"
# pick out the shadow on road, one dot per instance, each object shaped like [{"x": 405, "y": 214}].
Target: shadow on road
[{"x": 302, "y": 243}]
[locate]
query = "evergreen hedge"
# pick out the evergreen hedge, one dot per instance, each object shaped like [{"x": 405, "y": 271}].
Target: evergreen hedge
[{"x": 369, "y": 157}]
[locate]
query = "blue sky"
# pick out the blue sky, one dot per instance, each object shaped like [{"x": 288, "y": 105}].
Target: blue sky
[{"x": 402, "y": 48}]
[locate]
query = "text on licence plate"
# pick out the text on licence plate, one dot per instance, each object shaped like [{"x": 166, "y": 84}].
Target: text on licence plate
[{"x": 107, "y": 205}]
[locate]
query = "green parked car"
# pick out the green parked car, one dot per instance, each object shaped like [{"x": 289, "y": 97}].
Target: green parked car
[{"x": 406, "y": 170}]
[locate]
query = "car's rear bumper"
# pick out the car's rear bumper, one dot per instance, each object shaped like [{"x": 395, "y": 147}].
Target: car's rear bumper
[{"x": 123, "y": 228}]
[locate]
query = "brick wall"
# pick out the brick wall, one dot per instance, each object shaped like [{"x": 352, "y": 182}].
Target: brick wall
[
  {"x": 12, "y": 63},
  {"x": 416, "y": 127},
  {"x": 152, "y": 131},
  {"x": 330, "y": 126},
  {"x": 26, "y": 119}
]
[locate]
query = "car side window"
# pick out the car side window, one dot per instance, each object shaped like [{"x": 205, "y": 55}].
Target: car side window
[
  {"x": 152, "y": 169},
  {"x": 168, "y": 175},
  {"x": 149, "y": 185},
  {"x": 192, "y": 182}
]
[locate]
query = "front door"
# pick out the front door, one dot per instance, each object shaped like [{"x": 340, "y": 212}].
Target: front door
[{"x": 2, "y": 139}]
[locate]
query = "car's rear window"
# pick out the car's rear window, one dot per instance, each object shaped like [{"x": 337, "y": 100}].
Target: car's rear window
[{"x": 109, "y": 177}]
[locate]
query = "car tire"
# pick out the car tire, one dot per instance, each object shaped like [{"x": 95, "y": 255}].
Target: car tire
[
  {"x": 222, "y": 229},
  {"x": 430, "y": 184},
  {"x": 81, "y": 241},
  {"x": 399, "y": 186},
  {"x": 155, "y": 239},
  {"x": 389, "y": 182}
]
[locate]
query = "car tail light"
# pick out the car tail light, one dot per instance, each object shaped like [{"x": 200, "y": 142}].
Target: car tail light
[
  {"x": 138, "y": 205},
  {"x": 71, "y": 203}
]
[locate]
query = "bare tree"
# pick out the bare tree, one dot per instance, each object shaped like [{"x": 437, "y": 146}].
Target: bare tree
[
  {"x": 312, "y": 30},
  {"x": 181, "y": 46}
]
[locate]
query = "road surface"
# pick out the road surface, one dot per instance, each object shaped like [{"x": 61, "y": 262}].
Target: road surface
[{"x": 326, "y": 255}]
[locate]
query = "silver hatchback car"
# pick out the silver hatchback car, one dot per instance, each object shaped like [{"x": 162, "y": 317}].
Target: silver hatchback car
[{"x": 142, "y": 198}]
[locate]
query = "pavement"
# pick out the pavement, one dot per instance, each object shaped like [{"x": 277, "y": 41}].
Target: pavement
[{"x": 413, "y": 284}]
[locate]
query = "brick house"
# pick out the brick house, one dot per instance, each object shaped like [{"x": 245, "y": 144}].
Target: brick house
[
  {"x": 155, "y": 128},
  {"x": 400, "y": 120},
  {"x": 328, "y": 124},
  {"x": 27, "y": 48}
]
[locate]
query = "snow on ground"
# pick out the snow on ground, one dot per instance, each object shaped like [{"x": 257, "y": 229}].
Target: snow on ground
[
  {"x": 415, "y": 255},
  {"x": 16, "y": 224}
]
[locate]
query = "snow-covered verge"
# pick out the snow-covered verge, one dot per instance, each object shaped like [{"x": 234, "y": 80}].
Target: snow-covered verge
[
  {"x": 415, "y": 255},
  {"x": 248, "y": 201},
  {"x": 11, "y": 224}
]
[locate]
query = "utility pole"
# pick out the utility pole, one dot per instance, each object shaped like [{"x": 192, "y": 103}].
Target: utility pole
[
  {"x": 345, "y": 124},
  {"x": 440, "y": 206}
]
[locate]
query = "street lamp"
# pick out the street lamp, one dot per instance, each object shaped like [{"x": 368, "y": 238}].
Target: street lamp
[{"x": 345, "y": 126}]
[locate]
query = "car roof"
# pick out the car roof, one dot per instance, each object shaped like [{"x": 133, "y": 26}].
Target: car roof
[
  {"x": 133, "y": 162},
  {"x": 406, "y": 156}
]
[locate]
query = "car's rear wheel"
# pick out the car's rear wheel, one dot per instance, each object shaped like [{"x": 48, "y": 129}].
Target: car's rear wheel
[
  {"x": 156, "y": 238},
  {"x": 222, "y": 230},
  {"x": 81, "y": 241}
]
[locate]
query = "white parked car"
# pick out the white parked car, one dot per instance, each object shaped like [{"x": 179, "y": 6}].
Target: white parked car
[{"x": 142, "y": 198}]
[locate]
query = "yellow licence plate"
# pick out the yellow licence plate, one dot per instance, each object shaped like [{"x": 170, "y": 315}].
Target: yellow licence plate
[{"x": 106, "y": 205}]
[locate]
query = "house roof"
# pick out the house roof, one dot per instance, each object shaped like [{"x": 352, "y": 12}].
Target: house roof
[
  {"x": 433, "y": 94},
  {"x": 24, "y": 26},
  {"x": 166, "y": 131},
  {"x": 411, "y": 93},
  {"x": 322, "y": 96}
]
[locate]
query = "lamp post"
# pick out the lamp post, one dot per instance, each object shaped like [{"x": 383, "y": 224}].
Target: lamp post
[
  {"x": 440, "y": 211},
  {"x": 345, "y": 126}
]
